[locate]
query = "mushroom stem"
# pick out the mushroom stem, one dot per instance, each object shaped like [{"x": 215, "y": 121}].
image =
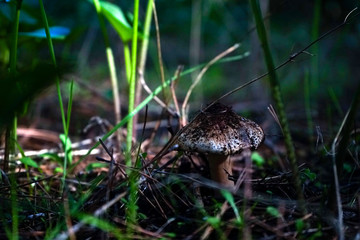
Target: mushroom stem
[{"x": 217, "y": 164}]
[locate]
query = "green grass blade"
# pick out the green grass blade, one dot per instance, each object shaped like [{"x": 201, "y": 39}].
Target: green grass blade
[
  {"x": 69, "y": 106},
  {"x": 11, "y": 129},
  {"x": 53, "y": 58},
  {"x": 276, "y": 94},
  {"x": 146, "y": 32},
  {"x": 12, "y": 136},
  {"x": 229, "y": 197},
  {"x": 315, "y": 48},
  {"x": 132, "y": 81},
  {"x": 132, "y": 205}
]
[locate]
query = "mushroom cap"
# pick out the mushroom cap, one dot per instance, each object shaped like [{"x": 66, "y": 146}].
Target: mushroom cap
[{"x": 219, "y": 130}]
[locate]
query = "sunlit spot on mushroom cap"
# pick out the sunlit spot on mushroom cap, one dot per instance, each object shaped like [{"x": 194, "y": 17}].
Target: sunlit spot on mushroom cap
[{"x": 219, "y": 130}]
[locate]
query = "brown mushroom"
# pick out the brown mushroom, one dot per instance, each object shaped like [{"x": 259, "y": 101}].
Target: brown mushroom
[{"x": 219, "y": 132}]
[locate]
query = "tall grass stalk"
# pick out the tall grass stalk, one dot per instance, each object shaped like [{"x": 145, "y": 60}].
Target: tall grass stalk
[
  {"x": 145, "y": 41},
  {"x": 132, "y": 206},
  {"x": 143, "y": 55},
  {"x": 276, "y": 94},
  {"x": 71, "y": 90},
  {"x": 11, "y": 136},
  {"x": 112, "y": 68},
  {"x": 315, "y": 51},
  {"x": 53, "y": 59},
  {"x": 13, "y": 54},
  {"x": 65, "y": 122},
  {"x": 66, "y": 142}
]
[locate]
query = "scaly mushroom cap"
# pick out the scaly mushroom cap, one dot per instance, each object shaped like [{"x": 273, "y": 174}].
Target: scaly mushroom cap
[{"x": 219, "y": 130}]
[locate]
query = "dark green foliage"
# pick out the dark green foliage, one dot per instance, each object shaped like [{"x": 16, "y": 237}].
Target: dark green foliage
[{"x": 17, "y": 91}]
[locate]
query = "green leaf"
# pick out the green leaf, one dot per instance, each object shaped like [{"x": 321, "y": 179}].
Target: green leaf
[
  {"x": 316, "y": 235},
  {"x": 273, "y": 211},
  {"x": 308, "y": 174},
  {"x": 229, "y": 197},
  {"x": 52, "y": 156},
  {"x": 95, "y": 165},
  {"x": 66, "y": 142},
  {"x": 257, "y": 159},
  {"x": 170, "y": 235},
  {"x": 299, "y": 223},
  {"x": 142, "y": 216},
  {"x": 213, "y": 221},
  {"x": 58, "y": 170},
  {"x": 117, "y": 19},
  {"x": 347, "y": 167},
  {"x": 28, "y": 161}
]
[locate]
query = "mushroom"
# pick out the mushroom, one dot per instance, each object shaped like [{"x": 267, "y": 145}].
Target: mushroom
[{"x": 219, "y": 132}]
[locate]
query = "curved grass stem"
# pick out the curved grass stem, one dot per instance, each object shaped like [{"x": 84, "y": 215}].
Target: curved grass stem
[{"x": 112, "y": 69}]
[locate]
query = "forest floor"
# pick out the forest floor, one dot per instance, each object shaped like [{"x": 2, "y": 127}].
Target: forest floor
[{"x": 175, "y": 199}]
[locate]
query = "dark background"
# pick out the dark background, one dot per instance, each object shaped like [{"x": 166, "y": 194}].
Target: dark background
[{"x": 332, "y": 62}]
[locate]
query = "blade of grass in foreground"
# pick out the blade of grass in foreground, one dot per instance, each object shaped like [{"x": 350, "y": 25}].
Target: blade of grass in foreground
[
  {"x": 132, "y": 83},
  {"x": 11, "y": 135},
  {"x": 65, "y": 121},
  {"x": 276, "y": 94},
  {"x": 131, "y": 213}
]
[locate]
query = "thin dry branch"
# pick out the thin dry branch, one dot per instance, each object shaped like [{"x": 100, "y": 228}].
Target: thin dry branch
[
  {"x": 159, "y": 48},
  {"x": 173, "y": 94},
  {"x": 158, "y": 100},
  {"x": 201, "y": 74}
]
